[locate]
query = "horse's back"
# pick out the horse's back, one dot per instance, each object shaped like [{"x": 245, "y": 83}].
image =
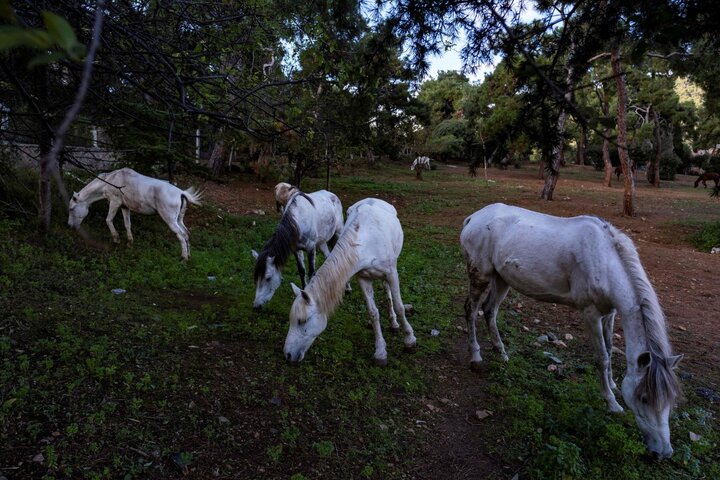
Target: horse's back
[
  {"x": 140, "y": 193},
  {"x": 377, "y": 229},
  {"x": 327, "y": 213}
]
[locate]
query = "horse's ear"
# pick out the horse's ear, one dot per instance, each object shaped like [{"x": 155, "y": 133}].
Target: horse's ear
[
  {"x": 673, "y": 362},
  {"x": 296, "y": 289},
  {"x": 644, "y": 360},
  {"x": 255, "y": 254}
]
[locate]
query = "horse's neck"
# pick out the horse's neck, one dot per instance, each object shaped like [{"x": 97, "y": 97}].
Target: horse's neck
[
  {"x": 327, "y": 287},
  {"x": 93, "y": 191}
]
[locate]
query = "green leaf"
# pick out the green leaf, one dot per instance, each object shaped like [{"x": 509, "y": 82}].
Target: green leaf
[
  {"x": 36, "y": 38},
  {"x": 11, "y": 37},
  {"x": 45, "y": 58},
  {"x": 60, "y": 30}
]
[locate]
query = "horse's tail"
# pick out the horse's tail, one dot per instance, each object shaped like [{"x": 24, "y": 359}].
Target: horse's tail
[{"x": 192, "y": 195}]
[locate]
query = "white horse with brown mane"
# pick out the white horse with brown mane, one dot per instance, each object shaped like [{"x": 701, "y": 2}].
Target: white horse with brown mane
[
  {"x": 309, "y": 221},
  {"x": 368, "y": 248},
  {"x": 128, "y": 190},
  {"x": 586, "y": 263}
]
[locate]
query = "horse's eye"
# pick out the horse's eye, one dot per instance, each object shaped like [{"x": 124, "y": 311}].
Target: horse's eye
[
  {"x": 643, "y": 399},
  {"x": 268, "y": 278}
]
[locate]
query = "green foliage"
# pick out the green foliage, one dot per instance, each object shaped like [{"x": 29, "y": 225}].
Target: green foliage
[{"x": 708, "y": 237}]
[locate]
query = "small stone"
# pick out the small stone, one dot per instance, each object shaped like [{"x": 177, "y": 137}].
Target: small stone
[
  {"x": 118, "y": 291},
  {"x": 552, "y": 367},
  {"x": 525, "y": 328},
  {"x": 559, "y": 343},
  {"x": 39, "y": 458},
  {"x": 275, "y": 401},
  {"x": 536, "y": 344},
  {"x": 694, "y": 436},
  {"x": 617, "y": 336},
  {"x": 568, "y": 337},
  {"x": 222, "y": 419},
  {"x": 552, "y": 336},
  {"x": 483, "y": 414},
  {"x": 542, "y": 339},
  {"x": 536, "y": 320},
  {"x": 552, "y": 357},
  {"x": 617, "y": 350},
  {"x": 212, "y": 278},
  {"x": 681, "y": 328},
  {"x": 434, "y": 332},
  {"x": 383, "y": 427}
]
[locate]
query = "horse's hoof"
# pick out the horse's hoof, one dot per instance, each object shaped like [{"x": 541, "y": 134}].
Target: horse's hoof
[
  {"x": 411, "y": 348},
  {"x": 380, "y": 362},
  {"x": 504, "y": 358},
  {"x": 394, "y": 330},
  {"x": 476, "y": 365}
]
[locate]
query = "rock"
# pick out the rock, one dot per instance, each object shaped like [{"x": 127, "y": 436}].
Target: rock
[
  {"x": 118, "y": 291},
  {"x": 222, "y": 419},
  {"x": 383, "y": 427},
  {"x": 483, "y": 414},
  {"x": 212, "y": 278},
  {"x": 542, "y": 339},
  {"x": 39, "y": 458},
  {"x": 552, "y": 357},
  {"x": 552, "y": 367},
  {"x": 617, "y": 336},
  {"x": 694, "y": 437},
  {"x": 552, "y": 336},
  {"x": 681, "y": 328},
  {"x": 617, "y": 350},
  {"x": 568, "y": 337},
  {"x": 559, "y": 343},
  {"x": 257, "y": 211},
  {"x": 536, "y": 320},
  {"x": 525, "y": 328},
  {"x": 434, "y": 332}
]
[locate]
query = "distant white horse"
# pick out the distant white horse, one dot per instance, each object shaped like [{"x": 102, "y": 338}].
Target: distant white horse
[
  {"x": 128, "y": 190},
  {"x": 368, "y": 247},
  {"x": 420, "y": 164},
  {"x": 283, "y": 192},
  {"x": 586, "y": 263},
  {"x": 309, "y": 221}
]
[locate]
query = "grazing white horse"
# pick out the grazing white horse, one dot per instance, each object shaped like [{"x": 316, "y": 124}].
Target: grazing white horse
[
  {"x": 309, "y": 221},
  {"x": 368, "y": 247},
  {"x": 130, "y": 191},
  {"x": 420, "y": 164},
  {"x": 586, "y": 263},
  {"x": 283, "y": 192}
]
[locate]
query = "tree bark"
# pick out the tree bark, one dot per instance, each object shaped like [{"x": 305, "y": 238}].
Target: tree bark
[
  {"x": 653, "y": 171},
  {"x": 45, "y": 185},
  {"x": 216, "y": 158},
  {"x": 606, "y": 158},
  {"x": 581, "y": 142},
  {"x": 629, "y": 185}
]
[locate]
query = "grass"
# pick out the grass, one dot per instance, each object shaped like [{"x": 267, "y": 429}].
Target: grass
[{"x": 179, "y": 376}]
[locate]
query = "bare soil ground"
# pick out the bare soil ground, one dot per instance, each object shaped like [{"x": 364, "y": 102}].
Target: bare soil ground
[{"x": 685, "y": 280}]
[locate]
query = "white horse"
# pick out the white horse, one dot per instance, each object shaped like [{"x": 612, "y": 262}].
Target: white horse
[
  {"x": 368, "y": 247},
  {"x": 128, "y": 190},
  {"x": 586, "y": 263},
  {"x": 420, "y": 164},
  {"x": 283, "y": 192},
  {"x": 309, "y": 221}
]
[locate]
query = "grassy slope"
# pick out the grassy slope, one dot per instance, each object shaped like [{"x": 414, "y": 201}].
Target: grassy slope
[{"x": 179, "y": 374}]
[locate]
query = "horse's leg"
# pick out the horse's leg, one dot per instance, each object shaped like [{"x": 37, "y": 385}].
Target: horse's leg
[
  {"x": 311, "y": 262},
  {"x": 594, "y": 319},
  {"x": 112, "y": 211},
  {"x": 300, "y": 260},
  {"x": 393, "y": 281},
  {"x": 496, "y": 294},
  {"x": 608, "y": 325},
  {"x": 180, "y": 218},
  {"x": 126, "y": 219},
  {"x": 178, "y": 229},
  {"x": 324, "y": 249},
  {"x": 393, "y": 317},
  {"x": 380, "y": 355},
  {"x": 472, "y": 305}
]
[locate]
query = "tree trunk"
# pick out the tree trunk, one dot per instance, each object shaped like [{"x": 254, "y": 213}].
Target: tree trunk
[
  {"x": 606, "y": 158},
  {"x": 216, "y": 158},
  {"x": 653, "y": 171},
  {"x": 581, "y": 142},
  {"x": 629, "y": 185},
  {"x": 45, "y": 185}
]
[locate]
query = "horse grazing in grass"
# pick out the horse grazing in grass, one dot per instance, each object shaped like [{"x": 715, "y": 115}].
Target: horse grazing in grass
[
  {"x": 420, "y": 164},
  {"x": 309, "y": 221},
  {"x": 588, "y": 264},
  {"x": 368, "y": 247},
  {"x": 128, "y": 190},
  {"x": 283, "y": 192},
  {"x": 708, "y": 176}
]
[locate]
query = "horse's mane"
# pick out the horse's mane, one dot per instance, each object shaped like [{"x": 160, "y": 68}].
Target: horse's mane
[
  {"x": 660, "y": 385},
  {"x": 280, "y": 245},
  {"x": 327, "y": 287}
]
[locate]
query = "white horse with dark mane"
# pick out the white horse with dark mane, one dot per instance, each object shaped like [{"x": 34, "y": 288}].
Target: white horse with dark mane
[
  {"x": 368, "y": 248},
  {"x": 309, "y": 221},
  {"x": 128, "y": 190},
  {"x": 586, "y": 263}
]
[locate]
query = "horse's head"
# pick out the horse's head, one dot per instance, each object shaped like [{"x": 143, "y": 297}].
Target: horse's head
[
  {"x": 650, "y": 390},
  {"x": 78, "y": 211},
  {"x": 267, "y": 278},
  {"x": 307, "y": 322}
]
